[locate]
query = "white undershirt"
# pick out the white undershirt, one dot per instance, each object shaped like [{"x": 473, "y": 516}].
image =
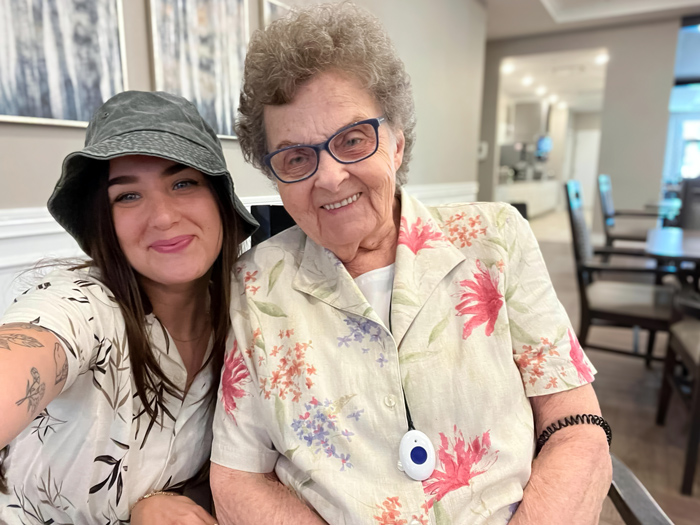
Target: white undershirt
[{"x": 376, "y": 286}]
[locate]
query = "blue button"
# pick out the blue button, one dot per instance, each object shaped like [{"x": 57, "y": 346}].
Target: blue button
[{"x": 418, "y": 455}]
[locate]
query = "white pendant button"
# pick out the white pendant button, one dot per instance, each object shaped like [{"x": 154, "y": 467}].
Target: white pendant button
[
  {"x": 417, "y": 455},
  {"x": 390, "y": 401}
]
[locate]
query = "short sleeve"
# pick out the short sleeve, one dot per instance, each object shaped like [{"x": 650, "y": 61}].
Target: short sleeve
[
  {"x": 74, "y": 306},
  {"x": 545, "y": 347},
  {"x": 241, "y": 441}
]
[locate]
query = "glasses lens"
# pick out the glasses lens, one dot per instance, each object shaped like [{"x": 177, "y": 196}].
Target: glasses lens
[
  {"x": 355, "y": 143},
  {"x": 294, "y": 163}
]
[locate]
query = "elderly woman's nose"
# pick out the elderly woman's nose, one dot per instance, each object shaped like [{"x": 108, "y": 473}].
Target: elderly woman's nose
[
  {"x": 331, "y": 173},
  {"x": 164, "y": 212}
]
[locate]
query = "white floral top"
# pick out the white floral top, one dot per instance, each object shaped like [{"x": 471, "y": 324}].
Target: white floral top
[
  {"x": 93, "y": 451},
  {"x": 313, "y": 386}
]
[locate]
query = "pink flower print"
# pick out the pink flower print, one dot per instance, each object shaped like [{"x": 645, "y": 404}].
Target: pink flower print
[
  {"x": 390, "y": 512},
  {"x": 418, "y": 236},
  {"x": 483, "y": 301},
  {"x": 461, "y": 464},
  {"x": 461, "y": 230},
  {"x": 251, "y": 276},
  {"x": 233, "y": 378},
  {"x": 577, "y": 357}
]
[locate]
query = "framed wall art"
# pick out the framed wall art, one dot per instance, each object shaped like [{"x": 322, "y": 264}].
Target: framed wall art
[
  {"x": 59, "y": 59},
  {"x": 272, "y": 10},
  {"x": 199, "y": 50}
]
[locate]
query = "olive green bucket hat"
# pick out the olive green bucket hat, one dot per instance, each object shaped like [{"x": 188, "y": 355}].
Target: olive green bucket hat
[{"x": 140, "y": 123}]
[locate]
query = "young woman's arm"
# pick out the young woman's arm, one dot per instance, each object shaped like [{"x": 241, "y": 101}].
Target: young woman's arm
[{"x": 33, "y": 369}]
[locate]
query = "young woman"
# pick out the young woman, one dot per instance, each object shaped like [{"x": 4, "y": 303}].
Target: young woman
[{"x": 109, "y": 370}]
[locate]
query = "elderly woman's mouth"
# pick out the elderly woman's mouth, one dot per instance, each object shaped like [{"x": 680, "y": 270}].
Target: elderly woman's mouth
[{"x": 340, "y": 204}]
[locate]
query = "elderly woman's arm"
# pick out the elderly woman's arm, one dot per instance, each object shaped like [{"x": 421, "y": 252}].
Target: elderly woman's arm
[
  {"x": 572, "y": 474},
  {"x": 247, "y": 498}
]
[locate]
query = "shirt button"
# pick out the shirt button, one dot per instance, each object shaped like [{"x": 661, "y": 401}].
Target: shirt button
[
  {"x": 173, "y": 459},
  {"x": 414, "y": 522},
  {"x": 390, "y": 401}
]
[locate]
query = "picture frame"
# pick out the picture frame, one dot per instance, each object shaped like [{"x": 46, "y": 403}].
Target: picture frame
[
  {"x": 198, "y": 49},
  {"x": 271, "y": 10},
  {"x": 59, "y": 72}
]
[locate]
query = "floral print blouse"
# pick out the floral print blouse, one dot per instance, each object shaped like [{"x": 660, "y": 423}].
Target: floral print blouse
[
  {"x": 94, "y": 451},
  {"x": 314, "y": 383}
]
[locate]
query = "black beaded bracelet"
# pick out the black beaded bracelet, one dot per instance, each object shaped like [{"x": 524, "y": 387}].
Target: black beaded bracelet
[{"x": 580, "y": 419}]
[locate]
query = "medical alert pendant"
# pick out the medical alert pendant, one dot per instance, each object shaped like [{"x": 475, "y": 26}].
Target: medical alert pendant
[{"x": 416, "y": 455}]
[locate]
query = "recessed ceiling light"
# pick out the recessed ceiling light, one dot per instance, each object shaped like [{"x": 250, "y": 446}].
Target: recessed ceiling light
[
  {"x": 507, "y": 68},
  {"x": 527, "y": 80},
  {"x": 562, "y": 105},
  {"x": 553, "y": 98},
  {"x": 542, "y": 90},
  {"x": 602, "y": 58}
]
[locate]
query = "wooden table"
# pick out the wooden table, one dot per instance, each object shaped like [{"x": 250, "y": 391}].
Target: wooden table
[{"x": 673, "y": 244}]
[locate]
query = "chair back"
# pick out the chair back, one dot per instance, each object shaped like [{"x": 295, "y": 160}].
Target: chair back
[
  {"x": 690, "y": 208},
  {"x": 606, "y": 200},
  {"x": 583, "y": 249}
]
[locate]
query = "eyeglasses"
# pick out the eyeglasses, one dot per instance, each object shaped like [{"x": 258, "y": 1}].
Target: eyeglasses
[{"x": 348, "y": 145}]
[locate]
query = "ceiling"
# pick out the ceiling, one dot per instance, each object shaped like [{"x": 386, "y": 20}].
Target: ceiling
[
  {"x": 573, "y": 76},
  {"x": 515, "y": 18}
]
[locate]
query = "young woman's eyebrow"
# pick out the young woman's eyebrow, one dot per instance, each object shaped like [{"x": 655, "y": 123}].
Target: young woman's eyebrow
[{"x": 130, "y": 179}]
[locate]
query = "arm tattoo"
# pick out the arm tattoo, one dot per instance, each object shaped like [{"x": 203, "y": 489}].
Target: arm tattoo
[
  {"x": 19, "y": 340},
  {"x": 61, "y": 370},
  {"x": 35, "y": 391}
]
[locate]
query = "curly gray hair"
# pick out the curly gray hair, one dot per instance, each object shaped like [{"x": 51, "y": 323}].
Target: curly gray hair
[{"x": 312, "y": 40}]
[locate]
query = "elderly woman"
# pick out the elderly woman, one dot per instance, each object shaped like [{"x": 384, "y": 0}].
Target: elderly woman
[{"x": 378, "y": 330}]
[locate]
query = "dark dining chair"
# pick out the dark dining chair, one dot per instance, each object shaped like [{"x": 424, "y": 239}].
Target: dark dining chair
[
  {"x": 615, "y": 303},
  {"x": 682, "y": 375},
  {"x": 613, "y": 230},
  {"x": 632, "y": 500}
]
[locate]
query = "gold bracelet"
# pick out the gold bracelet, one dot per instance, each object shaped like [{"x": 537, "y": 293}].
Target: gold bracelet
[{"x": 151, "y": 494}]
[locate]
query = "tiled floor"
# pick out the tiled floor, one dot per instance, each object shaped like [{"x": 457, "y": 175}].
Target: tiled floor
[{"x": 627, "y": 392}]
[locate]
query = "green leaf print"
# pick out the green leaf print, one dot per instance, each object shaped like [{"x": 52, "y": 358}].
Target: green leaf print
[
  {"x": 414, "y": 357},
  {"x": 438, "y": 329},
  {"x": 279, "y": 412},
  {"x": 260, "y": 343},
  {"x": 510, "y": 292},
  {"x": 290, "y": 453},
  {"x": 338, "y": 405},
  {"x": 367, "y": 312},
  {"x": 498, "y": 242},
  {"x": 501, "y": 218},
  {"x": 441, "y": 516},
  {"x": 274, "y": 274},
  {"x": 519, "y": 335},
  {"x": 404, "y": 298},
  {"x": 518, "y": 307},
  {"x": 270, "y": 309}
]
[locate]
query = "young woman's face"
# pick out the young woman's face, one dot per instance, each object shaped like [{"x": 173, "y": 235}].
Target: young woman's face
[{"x": 166, "y": 218}]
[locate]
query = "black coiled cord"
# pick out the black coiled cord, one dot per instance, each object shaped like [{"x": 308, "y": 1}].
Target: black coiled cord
[{"x": 580, "y": 419}]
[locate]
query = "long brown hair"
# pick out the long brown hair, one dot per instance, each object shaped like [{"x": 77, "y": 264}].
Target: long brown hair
[{"x": 119, "y": 277}]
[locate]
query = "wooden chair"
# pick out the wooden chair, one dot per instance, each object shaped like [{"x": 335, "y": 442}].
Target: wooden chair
[
  {"x": 684, "y": 350},
  {"x": 613, "y": 231},
  {"x": 615, "y": 303},
  {"x": 631, "y": 500}
]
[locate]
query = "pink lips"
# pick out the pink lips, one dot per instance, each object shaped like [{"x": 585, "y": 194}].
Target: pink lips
[{"x": 174, "y": 245}]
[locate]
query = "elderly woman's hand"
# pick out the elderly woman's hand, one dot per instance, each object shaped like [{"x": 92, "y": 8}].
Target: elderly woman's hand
[{"x": 165, "y": 509}]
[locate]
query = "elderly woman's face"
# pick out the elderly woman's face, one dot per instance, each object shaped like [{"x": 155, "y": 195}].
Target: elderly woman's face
[{"x": 365, "y": 190}]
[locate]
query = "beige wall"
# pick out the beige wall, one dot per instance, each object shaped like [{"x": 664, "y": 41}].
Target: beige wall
[
  {"x": 442, "y": 43},
  {"x": 634, "y": 117},
  {"x": 586, "y": 121}
]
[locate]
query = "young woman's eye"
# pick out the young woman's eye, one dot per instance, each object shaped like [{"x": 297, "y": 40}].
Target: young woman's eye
[
  {"x": 184, "y": 184},
  {"x": 126, "y": 197}
]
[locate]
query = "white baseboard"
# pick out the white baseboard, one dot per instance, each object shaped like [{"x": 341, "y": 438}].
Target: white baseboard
[{"x": 30, "y": 235}]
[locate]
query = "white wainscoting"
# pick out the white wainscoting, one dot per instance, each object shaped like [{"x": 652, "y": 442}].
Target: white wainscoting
[{"x": 30, "y": 235}]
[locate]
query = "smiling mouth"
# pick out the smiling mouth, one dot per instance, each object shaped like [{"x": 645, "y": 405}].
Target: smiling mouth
[{"x": 344, "y": 202}]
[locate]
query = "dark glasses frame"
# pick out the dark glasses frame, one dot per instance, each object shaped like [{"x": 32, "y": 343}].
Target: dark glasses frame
[{"x": 324, "y": 146}]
